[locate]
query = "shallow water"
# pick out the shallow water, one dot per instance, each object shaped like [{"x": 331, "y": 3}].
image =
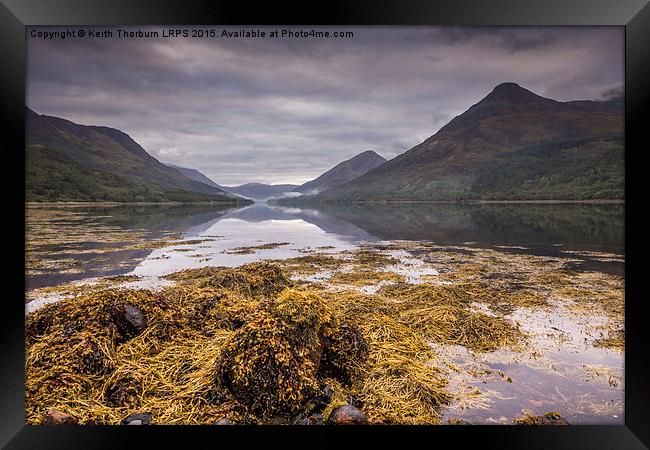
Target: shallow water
[
  {"x": 560, "y": 371},
  {"x": 73, "y": 247}
]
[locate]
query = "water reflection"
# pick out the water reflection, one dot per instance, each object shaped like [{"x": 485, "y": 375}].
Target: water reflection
[
  {"x": 67, "y": 243},
  {"x": 65, "y": 236},
  {"x": 578, "y": 226}
]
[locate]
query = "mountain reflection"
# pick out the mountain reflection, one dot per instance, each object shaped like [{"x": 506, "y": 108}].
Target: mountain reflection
[{"x": 546, "y": 229}]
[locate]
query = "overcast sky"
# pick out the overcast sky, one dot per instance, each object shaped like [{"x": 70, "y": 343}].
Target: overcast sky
[{"x": 284, "y": 110}]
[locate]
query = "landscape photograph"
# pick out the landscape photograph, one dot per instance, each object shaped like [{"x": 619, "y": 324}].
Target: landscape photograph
[{"x": 325, "y": 226}]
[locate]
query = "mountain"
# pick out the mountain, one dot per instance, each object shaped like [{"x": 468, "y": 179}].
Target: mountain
[
  {"x": 66, "y": 161},
  {"x": 195, "y": 175},
  {"x": 513, "y": 144},
  {"x": 342, "y": 173},
  {"x": 260, "y": 192}
]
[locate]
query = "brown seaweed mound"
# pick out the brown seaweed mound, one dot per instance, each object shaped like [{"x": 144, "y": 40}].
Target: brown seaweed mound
[
  {"x": 244, "y": 345},
  {"x": 252, "y": 279},
  {"x": 271, "y": 363}
]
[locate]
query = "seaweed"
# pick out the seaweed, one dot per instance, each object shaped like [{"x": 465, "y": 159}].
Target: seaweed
[
  {"x": 251, "y": 345},
  {"x": 401, "y": 384},
  {"x": 365, "y": 277},
  {"x": 549, "y": 418},
  {"x": 345, "y": 353},
  {"x": 614, "y": 340},
  {"x": 210, "y": 353},
  {"x": 441, "y": 314},
  {"x": 370, "y": 257},
  {"x": 253, "y": 248},
  {"x": 271, "y": 363},
  {"x": 251, "y": 279},
  {"x": 310, "y": 264},
  {"x": 264, "y": 371}
]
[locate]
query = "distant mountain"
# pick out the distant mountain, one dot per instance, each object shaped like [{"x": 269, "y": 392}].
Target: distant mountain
[
  {"x": 260, "y": 192},
  {"x": 195, "y": 175},
  {"x": 342, "y": 173},
  {"x": 66, "y": 161},
  {"x": 513, "y": 144}
]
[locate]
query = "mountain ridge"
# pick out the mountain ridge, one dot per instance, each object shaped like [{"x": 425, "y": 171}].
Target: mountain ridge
[
  {"x": 342, "y": 173},
  {"x": 66, "y": 161},
  {"x": 512, "y": 144},
  {"x": 195, "y": 175}
]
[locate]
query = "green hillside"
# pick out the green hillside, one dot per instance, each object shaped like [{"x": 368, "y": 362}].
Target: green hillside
[
  {"x": 512, "y": 145},
  {"x": 66, "y": 161}
]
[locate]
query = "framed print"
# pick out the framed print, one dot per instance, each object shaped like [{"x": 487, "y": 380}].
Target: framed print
[{"x": 367, "y": 218}]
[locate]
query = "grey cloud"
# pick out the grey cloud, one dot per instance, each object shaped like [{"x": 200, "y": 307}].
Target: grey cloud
[
  {"x": 614, "y": 92},
  {"x": 510, "y": 39},
  {"x": 279, "y": 110}
]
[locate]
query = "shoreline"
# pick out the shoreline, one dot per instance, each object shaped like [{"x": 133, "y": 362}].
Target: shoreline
[
  {"x": 36, "y": 204},
  {"x": 547, "y": 201},
  {"x": 467, "y": 202},
  {"x": 590, "y": 202}
]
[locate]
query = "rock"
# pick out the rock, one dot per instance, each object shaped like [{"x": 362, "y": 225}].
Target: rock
[
  {"x": 354, "y": 402},
  {"x": 347, "y": 415},
  {"x": 138, "y": 419},
  {"x": 328, "y": 392},
  {"x": 55, "y": 417},
  {"x": 456, "y": 421},
  {"x": 129, "y": 320},
  {"x": 223, "y": 421}
]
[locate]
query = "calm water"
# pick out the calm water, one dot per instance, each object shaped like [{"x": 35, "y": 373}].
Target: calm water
[{"x": 552, "y": 230}]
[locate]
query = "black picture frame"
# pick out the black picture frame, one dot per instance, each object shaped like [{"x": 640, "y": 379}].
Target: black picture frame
[{"x": 16, "y": 14}]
